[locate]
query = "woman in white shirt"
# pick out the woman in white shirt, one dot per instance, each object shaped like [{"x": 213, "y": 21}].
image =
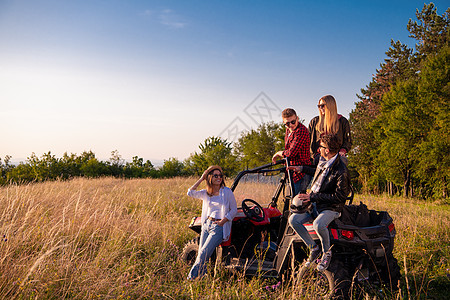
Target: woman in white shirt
[{"x": 218, "y": 210}]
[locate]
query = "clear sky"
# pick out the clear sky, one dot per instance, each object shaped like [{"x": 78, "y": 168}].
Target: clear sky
[{"x": 154, "y": 79}]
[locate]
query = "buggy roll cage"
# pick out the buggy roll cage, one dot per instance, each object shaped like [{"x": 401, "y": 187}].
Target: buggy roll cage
[
  {"x": 281, "y": 186},
  {"x": 267, "y": 168}
]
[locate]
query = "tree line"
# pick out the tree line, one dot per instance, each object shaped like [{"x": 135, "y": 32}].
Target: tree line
[
  {"x": 253, "y": 148},
  {"x": 400, "y": 129},
  {"x": 401, "y": 123}
]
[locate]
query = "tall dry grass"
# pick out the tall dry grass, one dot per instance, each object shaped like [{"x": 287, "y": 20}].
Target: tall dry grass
[
  {"x": 422, "y": 244},
  {"x": 111, "y": 238},
  {"x": 92, "y": 238}
]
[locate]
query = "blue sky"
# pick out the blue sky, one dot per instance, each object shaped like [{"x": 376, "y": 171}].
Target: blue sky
[{"x": 154, "y": 79}]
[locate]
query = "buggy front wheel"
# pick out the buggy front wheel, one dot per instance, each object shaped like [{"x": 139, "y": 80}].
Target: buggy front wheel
[{"x": 190, "y": 251}]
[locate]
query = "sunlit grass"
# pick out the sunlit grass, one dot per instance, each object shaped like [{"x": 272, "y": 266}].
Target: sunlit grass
[
  {"x": 423, "y": 243},
  {"x": 112, "y": 238}
]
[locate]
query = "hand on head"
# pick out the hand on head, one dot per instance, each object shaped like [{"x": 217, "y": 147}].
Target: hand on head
[
  {"x": 207, "y": 171},
  {"x": 204, "y": 175}
]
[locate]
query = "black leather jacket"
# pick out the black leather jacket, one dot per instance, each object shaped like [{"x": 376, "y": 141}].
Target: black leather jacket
[{"x": 335, "y": 187}]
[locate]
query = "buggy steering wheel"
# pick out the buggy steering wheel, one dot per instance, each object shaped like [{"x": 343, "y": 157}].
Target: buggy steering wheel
[{"x": 255, "y": 212}]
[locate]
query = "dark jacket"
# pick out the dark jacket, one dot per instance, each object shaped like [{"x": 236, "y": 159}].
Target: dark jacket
[
  {"x": 334, "y": 189},
  {"x": 343, "y": 135}
]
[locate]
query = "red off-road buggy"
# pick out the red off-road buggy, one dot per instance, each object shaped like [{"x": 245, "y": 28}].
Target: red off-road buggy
[{"x": 263, "y": 243}]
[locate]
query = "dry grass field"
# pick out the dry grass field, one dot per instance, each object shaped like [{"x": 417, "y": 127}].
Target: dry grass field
[{"x": 121, "y": 239}]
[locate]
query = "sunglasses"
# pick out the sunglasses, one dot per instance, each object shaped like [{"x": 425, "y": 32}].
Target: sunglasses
[
  {"x": 321, "y": 105},
  {"x": 290, "y": 123},
  {"x": 217, "y": 176}
]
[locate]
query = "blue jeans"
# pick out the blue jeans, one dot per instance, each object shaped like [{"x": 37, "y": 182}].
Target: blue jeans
[
  {"x": 320, "y": 225},
  {"x": 210, "y": 237}
]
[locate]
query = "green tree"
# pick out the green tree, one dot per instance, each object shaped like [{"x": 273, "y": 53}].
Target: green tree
[
  {"x": 46, "y": 168},
  {"x": 430, "y": 30},
  {"x": 171, "y": 168},
  {"x": 22, "y": 173},
  {"x": 257, "y": 146},
  {"x": 433, "y": 166},
  {"x": 70, "y": 166},
  {"x": 5, "y": 167},
  {"x": 116, "y": 164},
  {"x": 401, "y": 131},
  {"x": 85, "y": 157},
  {"x": 214, "y": 151},
  {"x": 366, "y": 146},
  {"x": 401, "y": 69},
  {"x": 416, "y": 132},
  {"x": 138, "y": 169},
  {"x": 94, "y": 168}
]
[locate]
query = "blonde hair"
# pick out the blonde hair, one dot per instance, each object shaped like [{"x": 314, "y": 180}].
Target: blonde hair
[
  {"x": 328, "y": 123},
  {"x": 209, "y": 187}
]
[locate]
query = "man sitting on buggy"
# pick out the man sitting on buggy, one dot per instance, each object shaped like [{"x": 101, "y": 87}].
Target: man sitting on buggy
[{"x": 324, "y": 203}]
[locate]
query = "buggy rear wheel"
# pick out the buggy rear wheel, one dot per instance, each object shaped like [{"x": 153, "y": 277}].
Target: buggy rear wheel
[
  {"x": 390, "y": 272},
  {"x": 333, "y": 283},
  {"x": 314, "y": 282}
]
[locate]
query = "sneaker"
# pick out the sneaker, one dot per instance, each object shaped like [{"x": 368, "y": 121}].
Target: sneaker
[
  {"x": 313, "y": 256},
  {"x": 324, "y": 262}
]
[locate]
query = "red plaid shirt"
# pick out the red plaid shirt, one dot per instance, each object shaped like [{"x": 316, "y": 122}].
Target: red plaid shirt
[{"x": 296, "y": 145}]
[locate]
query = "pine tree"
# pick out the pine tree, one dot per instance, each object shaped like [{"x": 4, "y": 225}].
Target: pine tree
[{"x": 388, "y": 118}]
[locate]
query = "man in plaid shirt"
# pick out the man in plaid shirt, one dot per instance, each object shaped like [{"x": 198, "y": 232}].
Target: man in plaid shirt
[{"x": 296, "y": 143}]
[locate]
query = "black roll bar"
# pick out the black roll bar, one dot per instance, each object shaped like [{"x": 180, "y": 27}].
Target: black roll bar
[{"x": 260, "y": 169}]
